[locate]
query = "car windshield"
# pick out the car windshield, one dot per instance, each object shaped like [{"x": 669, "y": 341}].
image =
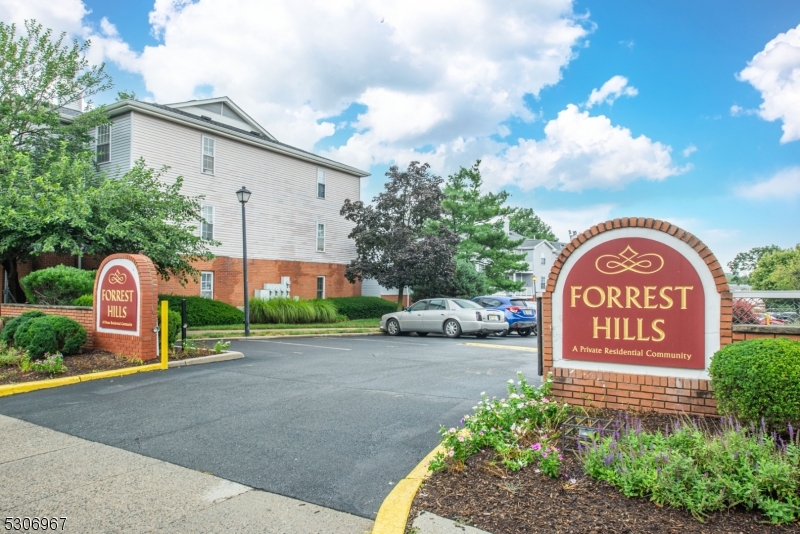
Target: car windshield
[
  {"x": 519, "y": 302},
  {"x": 468, "y": 304}
]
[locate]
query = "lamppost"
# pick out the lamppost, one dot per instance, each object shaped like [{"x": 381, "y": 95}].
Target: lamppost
[
  {"x": 533, "y": 281},
  {"x": 244, "y": 195}
]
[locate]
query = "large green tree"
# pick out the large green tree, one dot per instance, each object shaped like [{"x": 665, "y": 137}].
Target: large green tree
[
  {"x": 400, "y": 239},
  {"x": 745, "y": 262},
  {"x": 477, "y": 217},
  {"x": 777, "y": 270},
  {"x": 39, "y": 75},
  {"x": 525, "y": 222}
]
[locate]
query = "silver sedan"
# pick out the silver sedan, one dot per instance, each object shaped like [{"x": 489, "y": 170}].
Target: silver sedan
[{"x": 452, "y": 317}]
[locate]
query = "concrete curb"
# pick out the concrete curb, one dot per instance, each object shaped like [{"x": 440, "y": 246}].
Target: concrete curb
[
  {"x": 393, "y": 513},
  {"x": 297, "y": 336},
  {"x": 212, "y": 358},
  {"x": 13, "y": 389}
]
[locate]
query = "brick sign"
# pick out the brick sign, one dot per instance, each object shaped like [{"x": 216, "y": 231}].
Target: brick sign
[
  {"x": 636, "y": 301},
  {"x": 117, "y": 298}
]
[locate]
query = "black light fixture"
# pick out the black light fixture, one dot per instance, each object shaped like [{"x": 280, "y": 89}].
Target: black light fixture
[{"x": 244, "y": 195}]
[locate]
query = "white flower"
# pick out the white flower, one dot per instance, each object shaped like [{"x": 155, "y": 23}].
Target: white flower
[
  {"x": 474, "y": 407},
  {"x": 573, "y": 480},
  {"x": 483, "y": 393},
  {"x": 510, "y": 381},
  {"x": 537, "y": 470}
]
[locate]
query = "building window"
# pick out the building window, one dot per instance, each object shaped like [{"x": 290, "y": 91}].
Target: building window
[
  {"x": 209, "y": 149},
  {"x": 320, "y": 183},
  {"x": 207, "y": 224},
  {"x": 207, "y": 284},
  {"x": 542, "y": 283},
  {"x": 320, "y": 287},
  {"x": 320, "y": 237},
  {"x": 544, "y": 261},
  {"x": 103, "y": 143}
]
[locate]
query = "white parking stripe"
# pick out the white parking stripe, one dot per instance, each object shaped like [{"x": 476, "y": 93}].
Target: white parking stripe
[
  {"x": 390, "y": 341},
  {"x": 509, "y": 347},
  {"x": 297, "y": 344}
]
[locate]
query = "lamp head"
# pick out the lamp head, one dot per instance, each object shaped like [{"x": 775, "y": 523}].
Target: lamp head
[{"x": 243, "y": 195}]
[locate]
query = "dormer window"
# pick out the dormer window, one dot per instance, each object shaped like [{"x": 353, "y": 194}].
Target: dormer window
[{"x": 103, "y": 143}]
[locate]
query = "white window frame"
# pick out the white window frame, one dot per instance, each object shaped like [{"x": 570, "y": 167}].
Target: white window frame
[
  {"x": 542, "y": 283},
  {"x": 321, "y": 182},
  {"x": 107, "y": 144},
  {"x": 208, "y": 274},
  {"x": 204, "y": 224},
  {"x": 322, "y": 295},
  {"x": 317, "y": 237},
  {"x": 544, "y": 260},
  {"x": 203, "y": 155}
]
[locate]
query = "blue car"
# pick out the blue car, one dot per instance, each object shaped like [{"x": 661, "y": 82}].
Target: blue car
[{"x": 520, "y": 316}]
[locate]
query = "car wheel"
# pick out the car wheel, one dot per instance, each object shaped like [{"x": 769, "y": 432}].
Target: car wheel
[
  {"x": 481, "y": 336},
  {"x": 393, "y": 327},
  {"x": 501, "y": 333},
  {"x": 535, "y": 330},
  {"x": 422, "y": 334},
  {"x": 452, "y": 328},
  {"x": 524, "y": 332}
]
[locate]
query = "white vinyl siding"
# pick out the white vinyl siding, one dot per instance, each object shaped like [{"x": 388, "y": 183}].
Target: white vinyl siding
[
  {"x": 282, "y": 204},
  {"x": 209, "y": 154},
  {"x": 320, "y": 287},
  {"x": 320, "y": 183},
  {"x": 544, "y": 260},
  {"x": 103, "y": 143},
  {"x": 207, "y": 224},
  {"x": 119, "y": 159},
  {"x": 207, "y": 284},
  {"x": 320, "y": 237}
]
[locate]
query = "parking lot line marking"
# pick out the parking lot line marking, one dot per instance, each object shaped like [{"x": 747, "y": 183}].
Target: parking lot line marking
[
  {"x": 393, "y": 341},
  {"x": 297, "y": 344},
  {"x": 509, "y": 347}
]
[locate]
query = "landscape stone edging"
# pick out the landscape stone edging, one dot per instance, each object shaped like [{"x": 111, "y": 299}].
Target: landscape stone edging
[
  {"x": 766, "y": 329},
  {"x": 211, "y": 358}
]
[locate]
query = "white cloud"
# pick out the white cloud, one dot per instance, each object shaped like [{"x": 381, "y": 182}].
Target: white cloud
[
  {"x": 61, "y": 16},
  {"x": 775, "y": 72},
  {"x": 582, "y": 152},
  {"x": 689, "y": 150},
  {"x": 738, "y": 111},
  {"x": 614, "y": 88},
  {"x": 783, "y": 185},
  {"x": 575, "y": 219}
]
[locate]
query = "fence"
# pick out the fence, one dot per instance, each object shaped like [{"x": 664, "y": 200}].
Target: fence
[{"x": 767, "y": 308}]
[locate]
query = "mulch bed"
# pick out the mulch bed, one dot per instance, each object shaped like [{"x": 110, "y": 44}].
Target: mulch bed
[
  {"x": 489, "y": 497},
  {"x": 86, "y": 363}
]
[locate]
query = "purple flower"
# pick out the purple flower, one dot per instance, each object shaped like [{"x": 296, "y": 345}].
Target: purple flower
[
  {"x": 791, "y": 432},
  {"x": 536, "y": 446},
  {"x": 544, "y": 454}
]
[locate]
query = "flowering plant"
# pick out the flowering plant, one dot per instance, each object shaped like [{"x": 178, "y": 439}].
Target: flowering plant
[
  {"x": 521, "y": 429},
  {"x": 52, "y": 364}
]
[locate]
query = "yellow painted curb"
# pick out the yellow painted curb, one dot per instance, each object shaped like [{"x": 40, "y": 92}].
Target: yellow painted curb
[
  {"x": 13, "y": 389},
  {"x": 393, "y": 513},
  {"x": 509, "y": 347}
]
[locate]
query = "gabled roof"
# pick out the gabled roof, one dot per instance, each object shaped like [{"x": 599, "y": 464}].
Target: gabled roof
[{"x": 222, "y": 107}]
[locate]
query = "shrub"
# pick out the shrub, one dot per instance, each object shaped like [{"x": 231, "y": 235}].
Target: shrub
[
  {"x": 203, "y": 312},
  {"x": 363, "y": 307},
  {"x": 84, "y": 300},
  {"x": 173, "y": 325},
  {"x": 466, "y": 283},
  {"x": 50, "y": 334},
  {"x": 11, "y": 327},
  {"x": 758, "y": 378},
  {"x": 57, "y": 285}
]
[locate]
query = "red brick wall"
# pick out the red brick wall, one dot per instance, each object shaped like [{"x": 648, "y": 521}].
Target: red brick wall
[
  {"x": 82, "y": 315},
  {"x": 744, "y": 332},
  {"x": 619, "y": 390},
  {"x": 142, "y": 346},
  {"x": 229, "y": 286}
]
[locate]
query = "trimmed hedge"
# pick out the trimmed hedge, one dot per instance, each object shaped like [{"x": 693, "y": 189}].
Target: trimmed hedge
[
  {"x": 84, "y": 300},
  {"x": 50, "y": 334},
  {"x": 363, "y": 307},
  {"x": 758, "y": 378},
  {"x": 290, "y": 311},
  {"x": 173, "y": 325},
  {"x": 59, "y": 285},
  {"x": 11, "y": 327},
  {"x": 203, "y": 312}
]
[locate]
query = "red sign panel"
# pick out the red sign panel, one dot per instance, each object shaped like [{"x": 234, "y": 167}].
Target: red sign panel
[
  {"x": 634, "y": 301},
  {"x": 118, "y": 300}
]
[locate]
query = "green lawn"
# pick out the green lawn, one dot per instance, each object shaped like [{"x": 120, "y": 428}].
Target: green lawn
[{"x": 358, "y": 323}]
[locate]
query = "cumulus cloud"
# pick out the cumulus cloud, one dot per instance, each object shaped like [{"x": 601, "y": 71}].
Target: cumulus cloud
[
  {"x": 783, "y": 185},
  {"x": 775, "y": 73},
  {"x": 582, "y": 152},
  {"x": 575, "y": 219},
  {"x": 614, "y": 88},
  {"x": 738, "y": 111},
  {"x": 689, "y": 150},
  {"x": 62, "y": 16}
]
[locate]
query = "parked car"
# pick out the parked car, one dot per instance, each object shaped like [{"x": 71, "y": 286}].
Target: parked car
[
  {"x": 520, "y": 315},
  {"x": 452, "y": 317}
]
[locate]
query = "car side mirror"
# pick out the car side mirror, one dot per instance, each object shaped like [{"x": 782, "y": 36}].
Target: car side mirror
[{"x": 408, "y": 308}]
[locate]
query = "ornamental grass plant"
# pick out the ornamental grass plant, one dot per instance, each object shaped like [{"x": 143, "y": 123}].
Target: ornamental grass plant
[
  {"x": 522, "y": 430},
  {"x": 699, "y": 469},
  {"x": 290, "y": 311}
]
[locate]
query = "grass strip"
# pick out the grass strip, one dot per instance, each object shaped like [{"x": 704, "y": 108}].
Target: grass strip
[{"x": 358, "y": 323}]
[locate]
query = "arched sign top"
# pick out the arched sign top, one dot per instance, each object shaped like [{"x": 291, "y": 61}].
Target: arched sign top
[{"x": 118, "y": 298}]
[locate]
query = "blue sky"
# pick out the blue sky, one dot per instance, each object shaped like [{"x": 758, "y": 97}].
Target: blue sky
[{"x": 695, "y": 118}]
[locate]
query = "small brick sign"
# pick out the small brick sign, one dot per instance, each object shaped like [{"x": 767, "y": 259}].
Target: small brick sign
[
  {"x": 636, "y": 301},
  {"x": 117, "y": 298}
]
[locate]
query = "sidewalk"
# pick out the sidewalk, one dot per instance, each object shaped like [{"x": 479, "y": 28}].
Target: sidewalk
[{"x": 99, "y": 488}]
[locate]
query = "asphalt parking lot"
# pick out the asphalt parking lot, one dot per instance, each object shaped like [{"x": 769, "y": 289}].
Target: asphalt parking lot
[{"x": 334, "y": 421}]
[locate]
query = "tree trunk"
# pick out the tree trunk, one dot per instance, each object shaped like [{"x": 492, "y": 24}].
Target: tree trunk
[
  {"x": 400, "y": 306},
  {"x": 17, "y": 294}
]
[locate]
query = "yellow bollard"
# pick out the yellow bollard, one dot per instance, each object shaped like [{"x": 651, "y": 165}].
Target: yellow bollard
[
  {"x": 769, "y": 320},
  {"x": 164, "y": 334}
]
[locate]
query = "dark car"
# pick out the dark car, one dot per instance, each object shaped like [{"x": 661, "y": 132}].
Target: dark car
[{"x": 520, "y": 316}]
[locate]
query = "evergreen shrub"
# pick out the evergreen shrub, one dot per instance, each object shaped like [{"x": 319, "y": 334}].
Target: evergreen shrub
[
  {"x": 50, "y": 334},
  {"x": 11, "y": 327},
  {"x": 59, "y": 285},
  {"x": 363, "y": 307},
  {"x": 758, "y": 378},
  {"x": 201, "y": 311},
  {"x": 84, "y": 300}
]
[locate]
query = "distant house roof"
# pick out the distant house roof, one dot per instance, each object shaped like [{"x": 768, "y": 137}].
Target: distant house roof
[{"x": 533, "y": 243}]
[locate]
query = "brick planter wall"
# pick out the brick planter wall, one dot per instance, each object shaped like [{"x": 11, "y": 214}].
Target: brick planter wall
[
  {"x": 636, "y": 391},
  {"x": 82, "y": 315}
]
